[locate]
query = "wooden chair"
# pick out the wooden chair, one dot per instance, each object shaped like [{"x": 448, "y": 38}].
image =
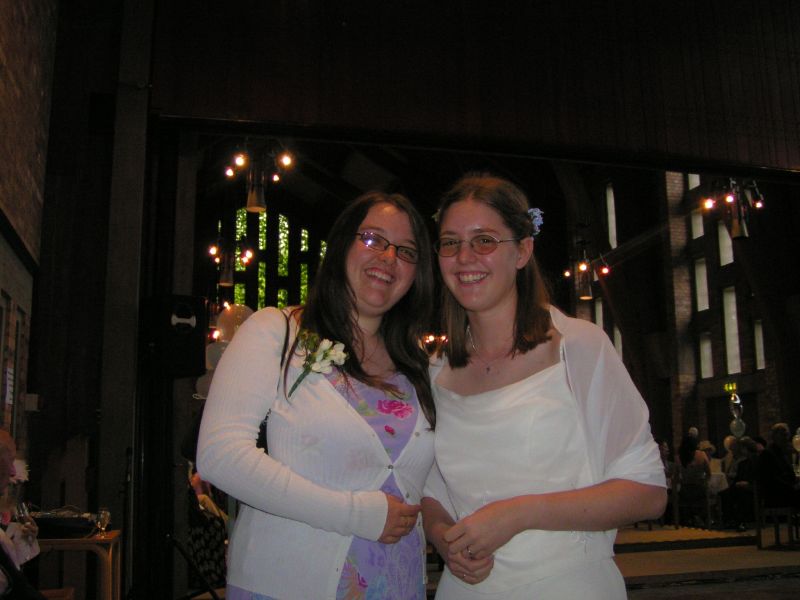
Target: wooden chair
[{"x": 775, "y": 513}]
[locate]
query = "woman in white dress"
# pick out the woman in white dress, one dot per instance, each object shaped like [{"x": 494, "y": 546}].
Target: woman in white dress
[{"x": 543, "y": 445}]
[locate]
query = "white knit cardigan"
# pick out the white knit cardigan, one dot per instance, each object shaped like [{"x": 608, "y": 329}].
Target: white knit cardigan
[{"x": 319, "y": 485}]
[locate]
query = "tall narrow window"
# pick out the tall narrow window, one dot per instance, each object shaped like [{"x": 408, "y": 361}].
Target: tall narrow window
[
  {"x": 692, "y": 180},
  {"x": 283, "y": 298},
  {"x": 611, "y": 213},
  {"x": 706, "y": 357},
  {"x": 262, "y": 230},
  {"x": 304, "y": 240},
  {"x": 323, "y": 247},
  {"x": 725, "y": 245},
  {"x": 598, "y": 311},
  {"x": 262, "y": 284},
  {"x": 283, "y": 246},
  {"x": 700, "y": 284},
  {"x": 239, "y": 293},
  {"x": 731, "y": 324},
  {"x": 758, "y": 337},
  {"x": 697, "y": 224},
  {"x": 618, "y": 340},
  {"x": 303, "y": 283}
]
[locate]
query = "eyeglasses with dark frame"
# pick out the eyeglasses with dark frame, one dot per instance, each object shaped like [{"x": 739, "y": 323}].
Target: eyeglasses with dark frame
[
  {"x": 480, "y": 244},
  {"x": 378, "y": 243}
]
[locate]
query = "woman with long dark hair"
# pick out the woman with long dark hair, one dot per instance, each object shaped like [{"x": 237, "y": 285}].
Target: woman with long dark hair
[{"x": 332, "y": 510}]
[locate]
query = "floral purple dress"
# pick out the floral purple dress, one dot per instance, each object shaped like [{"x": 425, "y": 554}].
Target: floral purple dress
[{"x": 373, "y": 570}]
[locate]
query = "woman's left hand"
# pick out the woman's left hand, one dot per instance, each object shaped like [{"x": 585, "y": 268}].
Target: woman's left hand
[{"x": 480, "y": 534}]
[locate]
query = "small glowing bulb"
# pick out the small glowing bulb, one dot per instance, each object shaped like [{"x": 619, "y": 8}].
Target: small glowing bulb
[
  {"x": 239, "y": 160},
  {"x": 286, "y": 159},
  {"x": 729, "y": 198},
  {"x": 245, "y": 260},
  {"x": 215, "y": 334},
  {"x": 708, "y": 203},
  {"x": 759, "y": 203},
  {"x": 567, "y": 273},
  {"x": 604, "y": 270},
  {"x": 226, "y": 305},
  {"x": 583, "y": 267},
  {"x": 216, "y": 259},
  {"x": 229, "y": 172},
  {"x": 213, "y": 250},
  {"x": 248, "y": 254},
  {"x": 276, "y": 178}
]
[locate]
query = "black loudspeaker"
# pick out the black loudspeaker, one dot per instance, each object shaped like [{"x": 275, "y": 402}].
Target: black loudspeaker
[{"x": 175, "y": 331}]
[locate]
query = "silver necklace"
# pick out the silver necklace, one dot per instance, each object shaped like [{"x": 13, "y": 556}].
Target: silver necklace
[{"x": 487, "y": 365}]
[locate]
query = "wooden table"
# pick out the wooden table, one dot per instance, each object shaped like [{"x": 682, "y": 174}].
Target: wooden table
[{"x": 107, "y": 548}]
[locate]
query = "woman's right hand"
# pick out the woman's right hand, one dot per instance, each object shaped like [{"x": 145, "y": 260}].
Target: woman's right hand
[{"x": 400, "y": 520}]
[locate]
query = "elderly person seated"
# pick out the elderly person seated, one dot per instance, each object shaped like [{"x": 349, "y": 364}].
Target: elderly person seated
[
  {"x": 18, "y": 543},
  {"x": 778, "y": 484}
]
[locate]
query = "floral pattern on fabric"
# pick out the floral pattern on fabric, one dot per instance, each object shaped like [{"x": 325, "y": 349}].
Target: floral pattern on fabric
[{"x": 375, "y": 571}]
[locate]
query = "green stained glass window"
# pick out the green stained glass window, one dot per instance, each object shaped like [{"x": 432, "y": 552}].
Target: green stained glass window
[
  {"x": 304, "y": 240},
  {"x": 323, "y": 247},
  {"x": 262, "y": 230},
  {"x": 283, "y": 246},
  {"x": 303, "y": 283},
  {"x": 238, "y": 264},
  {"x": 238, "y": 293},
  {"x": 283, "y": 298},
  {"x": 262, "y": 284},
  {"x": 241, "y": 224}
]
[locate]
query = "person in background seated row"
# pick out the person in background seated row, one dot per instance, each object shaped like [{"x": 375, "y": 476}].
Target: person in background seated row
[
  {"x": 778, "y": 485},
  {"x": 727, "y": 457},
  {"x": 737, "y": 500},
  {"x": 710, "y": 449},
  {"x": 695, "y": 470},
  {"x": 18, "y": 543}
]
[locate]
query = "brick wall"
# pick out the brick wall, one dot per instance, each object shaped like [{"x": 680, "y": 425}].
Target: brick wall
[{"x": 27, "y": 42}]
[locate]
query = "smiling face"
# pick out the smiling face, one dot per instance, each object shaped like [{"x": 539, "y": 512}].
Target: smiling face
[
  {"x": 482, "y": 282},
  {"x": 378, "y": 278}
]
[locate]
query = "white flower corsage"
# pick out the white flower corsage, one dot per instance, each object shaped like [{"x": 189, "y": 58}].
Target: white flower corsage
[{"x": 320, "y": 355}]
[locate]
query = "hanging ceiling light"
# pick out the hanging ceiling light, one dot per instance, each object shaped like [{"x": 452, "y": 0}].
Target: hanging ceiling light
[{"x": 256, "y": 201}]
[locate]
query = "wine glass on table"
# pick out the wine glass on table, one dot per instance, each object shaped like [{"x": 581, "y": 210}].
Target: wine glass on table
[{"x": 102, "y": 519}]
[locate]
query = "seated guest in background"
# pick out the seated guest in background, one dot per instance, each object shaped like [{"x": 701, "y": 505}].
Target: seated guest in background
[
  {"x": 727, "y": 456},
  {"x": 695, "y": 470},
  {"x": 710, "y": 449},
  {"x": 737, "y": 500},
  {"x": 670, "y": 467},
  {"x": 18, "y": 543},
  {"x": 778, "y": 484}
]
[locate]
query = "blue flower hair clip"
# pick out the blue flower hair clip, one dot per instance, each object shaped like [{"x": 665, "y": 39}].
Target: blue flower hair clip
[{"x": 537, "y": 219}]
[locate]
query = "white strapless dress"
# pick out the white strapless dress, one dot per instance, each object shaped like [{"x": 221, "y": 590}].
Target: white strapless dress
[{"x": 523, "y": 438}]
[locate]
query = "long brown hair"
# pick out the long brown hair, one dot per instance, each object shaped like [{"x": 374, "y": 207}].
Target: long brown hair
[
  {"x": 330, "y": 311},
  {"x": 532, "y": 319}
]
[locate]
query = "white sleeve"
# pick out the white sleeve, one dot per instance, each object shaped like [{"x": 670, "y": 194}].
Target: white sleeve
[
  {"x": 615, "y": 416},
  {"x": 436, "y": 488},
  {"x": 243, "y": 389},
  {"x": 629, "y": 449}
]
